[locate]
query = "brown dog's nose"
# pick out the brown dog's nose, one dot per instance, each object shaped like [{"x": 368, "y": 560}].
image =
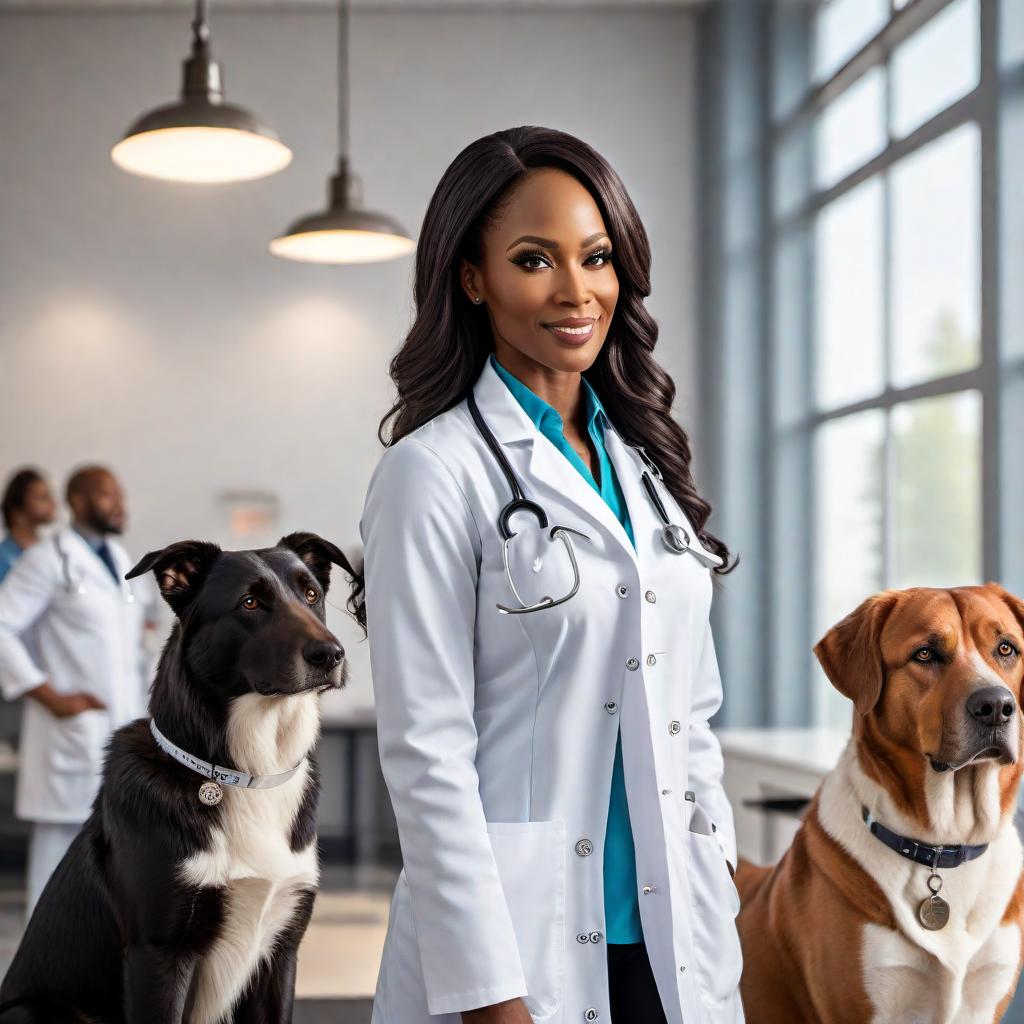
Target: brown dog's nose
[
  {"x": 992, "y": 705},
  {"x": 323, "y": 653}
]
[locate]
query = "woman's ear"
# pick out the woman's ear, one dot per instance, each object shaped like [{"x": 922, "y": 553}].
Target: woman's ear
[
  {"x": 851, "y": 651},
  {"x": 471, "y": 280}
]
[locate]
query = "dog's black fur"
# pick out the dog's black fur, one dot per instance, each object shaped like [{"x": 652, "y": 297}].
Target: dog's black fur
[{"x": 116, "y": 936}]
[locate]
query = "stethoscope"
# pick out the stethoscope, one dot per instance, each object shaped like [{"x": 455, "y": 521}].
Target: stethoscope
[
  {"x": 675, "y": 538},
  {"x": 77, "y": 587}
]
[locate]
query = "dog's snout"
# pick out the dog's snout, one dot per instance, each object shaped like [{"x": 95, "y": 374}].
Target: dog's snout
[
  {"x": 992, "y": 705},
  {"x": 324, "y": 654}
]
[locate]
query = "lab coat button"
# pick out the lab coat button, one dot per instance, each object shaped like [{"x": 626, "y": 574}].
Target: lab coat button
[
  {"x": 590, "y": 1014},
  {"x": 632, "y": 664},
  {"x": 611, "y": 707},
  {"x": 648, "y": 889},
  {"x": 651, "y": 596},
  {"x": 682, "y": 968},
  {"x": 595, "y": 936},
  {"x": 674, "y": 727},
  {"x": 583, "y": 937},
  {"x": 584, "y": 847},
  {"x": 665, "y": 792},
  {"x": 651, "y": 659},
  {"x": 622, "y": 590}
]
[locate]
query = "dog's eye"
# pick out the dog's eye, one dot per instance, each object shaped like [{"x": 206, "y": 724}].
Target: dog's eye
[
  {"x": 923, "y": 655},
  {"x": 312, "y": 595},
  {"x": 1005, "y": 648},
  {"x": 249, "y": 602}
]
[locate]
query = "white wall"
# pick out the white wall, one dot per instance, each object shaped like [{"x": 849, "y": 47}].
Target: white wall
[{"x": 145, "y": 324}]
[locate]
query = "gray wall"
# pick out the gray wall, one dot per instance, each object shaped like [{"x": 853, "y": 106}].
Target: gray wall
[{"x": 145, "y": 324}]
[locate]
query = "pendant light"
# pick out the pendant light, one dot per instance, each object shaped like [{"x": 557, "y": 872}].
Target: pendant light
[
  {"x": 201, "y": 138},
  {"x": 344, "y": 232}
]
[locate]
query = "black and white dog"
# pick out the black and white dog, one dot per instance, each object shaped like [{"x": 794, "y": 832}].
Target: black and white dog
[{"x": 187, "y": 892}]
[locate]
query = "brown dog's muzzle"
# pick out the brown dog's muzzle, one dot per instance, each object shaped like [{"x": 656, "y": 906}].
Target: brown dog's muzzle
[{"x": 989, "y": 728}]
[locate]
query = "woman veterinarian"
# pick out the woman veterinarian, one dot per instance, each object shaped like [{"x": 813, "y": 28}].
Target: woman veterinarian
[{"x": 537, "y": 597}]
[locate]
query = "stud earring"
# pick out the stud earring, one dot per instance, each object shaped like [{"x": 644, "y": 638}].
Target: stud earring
[{"x": 476, "y": 299}]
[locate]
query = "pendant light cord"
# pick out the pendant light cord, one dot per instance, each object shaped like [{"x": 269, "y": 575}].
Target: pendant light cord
[
  {"x": 343, "y": 79},
  {"x": 200, "y": 25}
]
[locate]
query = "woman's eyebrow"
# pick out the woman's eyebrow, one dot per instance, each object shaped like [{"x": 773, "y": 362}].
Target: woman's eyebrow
[{"x": 550, "y": 244}]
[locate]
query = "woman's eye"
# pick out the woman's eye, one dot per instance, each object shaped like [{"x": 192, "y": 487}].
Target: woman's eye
[
  {"x": 603, "y": 255},
  {"x": 529, "y": 258},
  {"x": 312, "y": 596},
  {"x": 249, "y": 602}
]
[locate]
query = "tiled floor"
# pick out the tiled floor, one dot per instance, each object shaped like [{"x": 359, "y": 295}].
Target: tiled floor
[{"x": 339, "y": 956}]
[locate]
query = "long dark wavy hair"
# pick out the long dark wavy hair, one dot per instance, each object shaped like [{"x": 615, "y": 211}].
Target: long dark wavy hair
[{"x": 451, "y": 337}]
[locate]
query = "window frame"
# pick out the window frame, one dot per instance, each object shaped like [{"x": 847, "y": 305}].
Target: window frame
[{"x": 791, "y": 477}]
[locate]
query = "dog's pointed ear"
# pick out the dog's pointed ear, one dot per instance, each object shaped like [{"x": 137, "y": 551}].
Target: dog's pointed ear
[
  {"x": 851, "y": 651},
  {"x": 179, "y": 569},
  {"x": 318, "y": 555}
]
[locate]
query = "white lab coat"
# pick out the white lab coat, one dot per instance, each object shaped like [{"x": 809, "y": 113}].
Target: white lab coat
[
  {"x": 84, "y": 641},
  {"x": 497, "y": 733}
]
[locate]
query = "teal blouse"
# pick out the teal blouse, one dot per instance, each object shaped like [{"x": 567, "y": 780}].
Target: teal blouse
[{"x": 621, "y": 906}]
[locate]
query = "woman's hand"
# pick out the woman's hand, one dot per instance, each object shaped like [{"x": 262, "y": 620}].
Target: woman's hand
[{"x": 512, "y": 1011}]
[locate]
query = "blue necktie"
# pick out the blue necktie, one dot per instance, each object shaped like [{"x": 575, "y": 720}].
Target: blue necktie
[{"x": 104, "y": 552}]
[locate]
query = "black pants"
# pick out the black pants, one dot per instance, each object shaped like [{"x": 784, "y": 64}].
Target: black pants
[{"x": 631, "y": 986}]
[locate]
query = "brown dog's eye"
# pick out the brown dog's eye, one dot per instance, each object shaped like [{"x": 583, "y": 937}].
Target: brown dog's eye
[
  {"x": 312, "y": 596},
  {"x": 923, "y": 655},
  {"x": 1006, "y": 648},
  {"x": 249, "y": 602}
]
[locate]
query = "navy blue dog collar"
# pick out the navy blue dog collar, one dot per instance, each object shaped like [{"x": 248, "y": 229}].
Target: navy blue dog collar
[{"x": 921, "y": 853}]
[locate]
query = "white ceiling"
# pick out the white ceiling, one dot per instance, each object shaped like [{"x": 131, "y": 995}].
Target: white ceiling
[{"x": 285, "y": 5}]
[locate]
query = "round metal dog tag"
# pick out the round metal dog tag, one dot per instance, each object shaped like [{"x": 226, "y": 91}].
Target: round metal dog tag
[
  {"x": 934, "y": 913},
  {"x": 210, "y": 793}
]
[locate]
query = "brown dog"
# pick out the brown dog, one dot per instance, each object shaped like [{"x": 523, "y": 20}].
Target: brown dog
[{"x": 837, "y": 932}]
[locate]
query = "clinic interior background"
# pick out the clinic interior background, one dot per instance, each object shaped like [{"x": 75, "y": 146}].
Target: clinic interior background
[{"x": 831, "y": 192}]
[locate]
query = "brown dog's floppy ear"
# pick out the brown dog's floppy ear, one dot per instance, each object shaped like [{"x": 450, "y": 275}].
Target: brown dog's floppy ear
[
  {"x": 1015, "y": 603},
  {"x": 179, "y": 569},
  {"x": 851, "y": 655},
  {"x": 318, "y": 554}
]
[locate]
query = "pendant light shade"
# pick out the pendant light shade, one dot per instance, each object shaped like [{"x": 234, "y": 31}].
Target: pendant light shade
[
  {"x": 201, "y": 138},
  {"x": 344, "y": 232}
]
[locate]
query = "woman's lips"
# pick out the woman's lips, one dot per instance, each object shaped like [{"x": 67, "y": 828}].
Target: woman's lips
[{"x": 573, "y": 335}]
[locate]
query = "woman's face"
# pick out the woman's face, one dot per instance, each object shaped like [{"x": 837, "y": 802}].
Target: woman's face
[{"x": 546, "y": 262}]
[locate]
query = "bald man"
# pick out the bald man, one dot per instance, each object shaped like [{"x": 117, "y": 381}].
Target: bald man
[{"x": 81, "y": 667}]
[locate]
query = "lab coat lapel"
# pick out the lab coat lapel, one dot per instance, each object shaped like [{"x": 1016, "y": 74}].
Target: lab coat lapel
[
  {"x": 84, "y": 560},
  {"x": 549, "y": 477}
]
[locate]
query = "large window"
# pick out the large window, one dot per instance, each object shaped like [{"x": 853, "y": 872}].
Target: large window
[{"x": 877, "y": 172}]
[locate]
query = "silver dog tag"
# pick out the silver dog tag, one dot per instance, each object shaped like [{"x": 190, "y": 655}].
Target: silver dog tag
[
  {"x": 210, "y": 793},
  {"x": 934, "y": 913}
]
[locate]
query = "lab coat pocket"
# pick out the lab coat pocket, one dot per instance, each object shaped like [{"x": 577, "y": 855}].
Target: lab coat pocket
[
  {"x": 716, "y": 902},
  {"x": 530, "y": 857},
  {"x": 76, "y": 742}
]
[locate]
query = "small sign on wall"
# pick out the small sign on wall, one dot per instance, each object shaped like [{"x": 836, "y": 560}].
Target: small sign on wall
[{"x": 252, "y": 518}]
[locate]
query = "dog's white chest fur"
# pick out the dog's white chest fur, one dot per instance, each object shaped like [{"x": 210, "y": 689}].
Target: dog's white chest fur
[
  {"x": 956, "y": 975},
  {"x": 251, "y": 856}
]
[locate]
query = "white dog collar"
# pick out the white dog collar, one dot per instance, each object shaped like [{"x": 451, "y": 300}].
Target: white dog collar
[{"x": 210, "y": 792}]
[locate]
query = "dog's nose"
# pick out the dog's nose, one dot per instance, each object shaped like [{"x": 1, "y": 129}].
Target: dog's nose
[
  {"x": 992, "y": 705},
  {"x": 323, "y": 653}
]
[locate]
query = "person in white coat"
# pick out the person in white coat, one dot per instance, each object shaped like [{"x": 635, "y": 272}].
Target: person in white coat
[
  {"x": 71, "y": 642},
  {"x": 544, "y": 671}
]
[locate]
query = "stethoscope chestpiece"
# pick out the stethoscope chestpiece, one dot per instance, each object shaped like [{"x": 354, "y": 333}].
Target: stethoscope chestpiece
[{"x": 676, "y": 539}]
